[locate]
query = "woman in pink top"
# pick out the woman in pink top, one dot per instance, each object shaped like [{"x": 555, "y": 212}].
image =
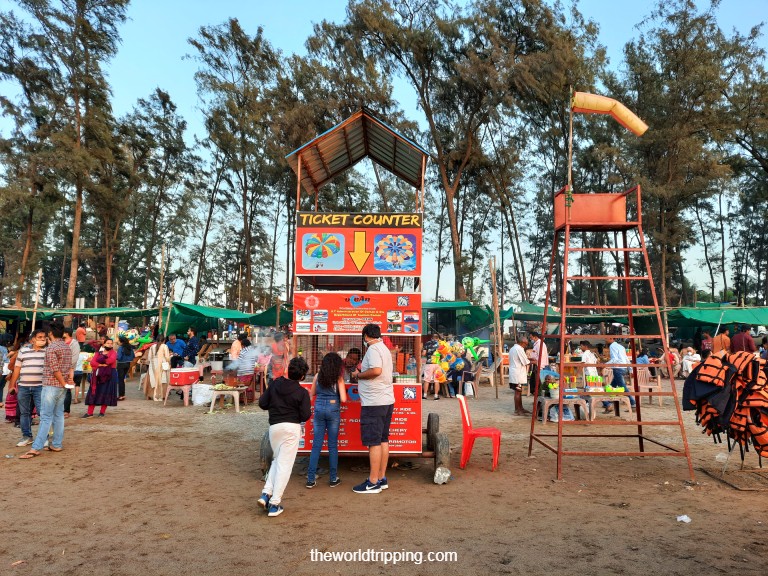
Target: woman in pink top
[{"x": 103, "y": 388}]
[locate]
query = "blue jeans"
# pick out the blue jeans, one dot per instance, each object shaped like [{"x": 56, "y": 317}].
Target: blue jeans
[
  {"x": 327, "y": 417},
  {"x": 618, "y": 381},
  {"x": 25, "y": 397},
  {"x": 51, "y": 414}
]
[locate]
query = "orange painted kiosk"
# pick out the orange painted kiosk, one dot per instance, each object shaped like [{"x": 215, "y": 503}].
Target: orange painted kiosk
[{"x": 339, "y": 257}]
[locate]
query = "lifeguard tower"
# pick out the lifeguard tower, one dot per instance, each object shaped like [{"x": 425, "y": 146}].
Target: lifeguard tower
[{"x": 620, "y": 214}]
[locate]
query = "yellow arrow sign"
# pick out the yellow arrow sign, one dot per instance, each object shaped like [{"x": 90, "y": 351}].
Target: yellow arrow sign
[{"x": 359, "y": 255}]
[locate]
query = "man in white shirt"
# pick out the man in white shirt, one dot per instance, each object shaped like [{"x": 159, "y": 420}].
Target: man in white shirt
[
  {"x": 539, "y": 356},
  {"x": 618, "y": 355},
  {"x": 377, "y": 399},
  {"x": 690, "y": 358},
  {"x": 518, "y": 372},
  {"x": 589, "y": 359}
]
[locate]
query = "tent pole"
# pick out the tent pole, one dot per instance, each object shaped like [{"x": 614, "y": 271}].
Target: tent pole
[
  {"x": 160, "y": 292},
  {"x": 496, "y": 323},
  {"x": 170, "y": 307},
  {"x": 37, "y": 297}
]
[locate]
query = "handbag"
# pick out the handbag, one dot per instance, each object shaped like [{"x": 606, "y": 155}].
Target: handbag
[{"x": 165, "y": 366}]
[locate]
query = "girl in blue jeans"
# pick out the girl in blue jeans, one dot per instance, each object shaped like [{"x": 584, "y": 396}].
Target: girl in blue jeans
[{"x": 329, "y": 392}]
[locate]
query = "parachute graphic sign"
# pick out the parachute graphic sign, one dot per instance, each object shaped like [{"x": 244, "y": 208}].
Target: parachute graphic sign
[{"x": 367, "y": 244}]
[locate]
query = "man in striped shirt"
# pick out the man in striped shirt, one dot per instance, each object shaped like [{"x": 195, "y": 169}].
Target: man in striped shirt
[
  {"x": 28, "y": 378},
  {"x": 58, "y": 365}
]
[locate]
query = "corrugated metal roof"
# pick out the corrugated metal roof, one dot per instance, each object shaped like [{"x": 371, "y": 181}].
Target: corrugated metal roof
[{"x": 344, "y": 145}]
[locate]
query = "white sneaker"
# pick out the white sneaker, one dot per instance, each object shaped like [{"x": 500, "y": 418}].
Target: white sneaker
[
  {"x": 24, "y": 442},
  {"x": 46, "y": 444}
]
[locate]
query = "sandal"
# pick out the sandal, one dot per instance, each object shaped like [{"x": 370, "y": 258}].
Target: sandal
[
  {"x": 121, "y": 397},
  {"x": 29, "y": 455},
  {"x": 53, "y": 449}
]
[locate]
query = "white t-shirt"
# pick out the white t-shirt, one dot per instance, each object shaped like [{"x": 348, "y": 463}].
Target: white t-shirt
[
  {"x": 377, "y": 391},
  {"x": 588, "y": 357},
  {"x": 544, "y": 360},
  {"x": 518, "y": 365}
]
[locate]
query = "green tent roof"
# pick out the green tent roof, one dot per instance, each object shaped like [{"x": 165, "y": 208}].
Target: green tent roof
[
  {"x": 24, "y": 314},
  {"x": 121, "y": 312},
  {"x": 211, "y": 312},
  {"x": 684, "y": 317},
  {"x": 527, "y": 312},
  {"x": 267, "y": 318}
]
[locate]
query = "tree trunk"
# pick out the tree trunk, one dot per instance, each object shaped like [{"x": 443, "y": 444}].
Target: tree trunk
[
  {"x": 74, "y": 262},
  {"x": 722, "y": 246},
  {"x": 203, "y": 249},
  {"x": 25, "y": 257},
  {"x": 440, "y": 227},
  {"x": 63, "y": 275},
  {"x": 706, "y": 252}
]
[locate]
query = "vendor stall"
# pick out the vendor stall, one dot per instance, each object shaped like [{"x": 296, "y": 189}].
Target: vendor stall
[{"x": 338, "y": 255}]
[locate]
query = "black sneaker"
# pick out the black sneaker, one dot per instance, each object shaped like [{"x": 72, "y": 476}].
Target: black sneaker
[
  {"x": 86, "y": 415},
  {"x": 334, "y": 483},
  {"x": 311, "y": 484}
]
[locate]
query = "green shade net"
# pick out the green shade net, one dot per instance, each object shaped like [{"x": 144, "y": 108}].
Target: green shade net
[
  {"x": 110, "y": 312},
  {"x": 269, "y": 318}
]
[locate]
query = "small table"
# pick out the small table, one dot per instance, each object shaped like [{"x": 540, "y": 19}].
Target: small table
[
  {"x": 617, "y": 402},
  {"x": 545, "y": 404},
  {"x": 235, "y": 393}
]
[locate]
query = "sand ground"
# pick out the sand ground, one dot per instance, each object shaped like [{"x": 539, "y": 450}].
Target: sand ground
[{"x": 153, "y": 490}]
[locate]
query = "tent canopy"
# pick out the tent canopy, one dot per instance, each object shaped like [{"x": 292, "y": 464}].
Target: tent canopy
[
  {"x": 268, "y": 317},
  {"x": 526, "y": 312},
  {"x": 692, "y": 317},
  {"x": 123, "y": 312},
  {"x": 211, "y": 312},
  {"x": 23, "y": 314}
]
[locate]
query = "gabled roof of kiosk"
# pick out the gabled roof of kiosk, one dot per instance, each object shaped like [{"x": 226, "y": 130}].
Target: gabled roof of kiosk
[{"x": 344, "y": 145}]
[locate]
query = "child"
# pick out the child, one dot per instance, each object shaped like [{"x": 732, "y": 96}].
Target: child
[{"x": 289, "y": 406}]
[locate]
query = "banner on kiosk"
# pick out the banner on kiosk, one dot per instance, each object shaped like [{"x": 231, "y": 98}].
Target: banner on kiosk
[
  {"x": 348, "y": 312},
  {"x": 405, "y": 434},
  {"x": 347, "y": 244}
]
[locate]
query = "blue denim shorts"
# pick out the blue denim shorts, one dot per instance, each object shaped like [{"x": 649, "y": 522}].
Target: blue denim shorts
[{"x": 374, "y": 424}]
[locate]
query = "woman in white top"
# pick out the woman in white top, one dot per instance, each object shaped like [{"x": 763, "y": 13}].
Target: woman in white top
[
  {"x": 159, "y": 361},
  {"x": 518, "y": 372}
]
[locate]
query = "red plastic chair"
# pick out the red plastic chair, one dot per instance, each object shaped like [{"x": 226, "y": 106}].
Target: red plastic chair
[{"x": 471, "y": 434}]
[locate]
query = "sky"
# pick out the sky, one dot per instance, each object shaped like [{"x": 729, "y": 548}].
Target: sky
[{"x": 154, "y": 46}]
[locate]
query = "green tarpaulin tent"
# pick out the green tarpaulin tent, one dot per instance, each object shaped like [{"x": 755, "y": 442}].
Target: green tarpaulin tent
[
  {"x": 24, "y": 314},
  {"x": 692, "y": 317},
  {"x": 268, "y": 317},
  {"x": 525, "y": 312},
  {"x": 123, "y": 312}
]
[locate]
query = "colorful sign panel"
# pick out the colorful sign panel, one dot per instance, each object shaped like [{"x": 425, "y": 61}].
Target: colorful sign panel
[
  {"x": 405, "y": 435},
  {"x": 347, "y": 244},
  {"x": 348, "y": 312}
]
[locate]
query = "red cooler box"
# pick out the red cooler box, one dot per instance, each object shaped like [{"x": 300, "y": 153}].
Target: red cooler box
[{"x": 184, "y": 376}]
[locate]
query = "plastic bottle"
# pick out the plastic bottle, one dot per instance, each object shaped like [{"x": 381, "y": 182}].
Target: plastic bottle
[
  {"x": 411, "y": 366},
  {"x": 506, "y": 348}
]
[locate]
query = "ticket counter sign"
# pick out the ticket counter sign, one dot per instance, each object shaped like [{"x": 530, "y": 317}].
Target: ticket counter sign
[
  {"x": 349, "y": 244},
  {"x": 396, "y": 313},
  {"x": 405, "y": 435}
]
